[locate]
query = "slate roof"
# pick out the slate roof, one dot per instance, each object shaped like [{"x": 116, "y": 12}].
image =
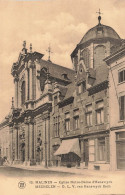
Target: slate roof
[{"x": 57, "y": 71}]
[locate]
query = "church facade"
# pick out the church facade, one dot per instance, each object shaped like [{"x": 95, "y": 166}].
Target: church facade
[{"x": 62, "y": 116}]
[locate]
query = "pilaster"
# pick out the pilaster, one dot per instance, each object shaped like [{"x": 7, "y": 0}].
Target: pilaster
[
  {"x": 30, "y": 83},
  {"x": 16, "y": 143},
  {"x": 26, "y": 141},
  {"x": 16, "y": 80},
  {"x": 27, "y": 82},
  {"x": 31, "y": 140},
  {"x": 11, "y": 144}
]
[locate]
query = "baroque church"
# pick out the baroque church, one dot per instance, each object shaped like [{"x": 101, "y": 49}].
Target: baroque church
[{"x": 61, "y": 116}]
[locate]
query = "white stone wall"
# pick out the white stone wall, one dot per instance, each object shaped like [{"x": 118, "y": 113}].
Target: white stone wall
[{"x": 115, "y": 91}]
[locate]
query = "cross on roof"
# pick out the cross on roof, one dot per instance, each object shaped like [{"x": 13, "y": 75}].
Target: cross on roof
[
  {"x": 99, "y": 12},
  {"x": 99, "y": 17},
  {"x": 49, "y": 52}
]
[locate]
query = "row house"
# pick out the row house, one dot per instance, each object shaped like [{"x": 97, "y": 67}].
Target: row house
[{"x": 83, "y": 132}]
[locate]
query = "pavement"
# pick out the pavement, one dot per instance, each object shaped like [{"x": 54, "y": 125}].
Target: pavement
[{"x": 72, "y": 170}]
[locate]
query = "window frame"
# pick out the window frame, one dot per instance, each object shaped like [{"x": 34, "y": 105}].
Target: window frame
[
  {"x": 76, "y": 123},
  {"x": 122, "y": 108},
  {"x": 67, "y": 121},
  {"x": 89, "y": 114},
  {"x": 119, "y": 76},
  {"x": 101, "y": 147},
  {"x": 100, "y": 111}
]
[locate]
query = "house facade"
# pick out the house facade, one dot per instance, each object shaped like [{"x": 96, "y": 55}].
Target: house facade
[
  {"x": 116, "y": 64},
  {"x": 85, "y": 113},
  {"x": 62, "y": 116}
]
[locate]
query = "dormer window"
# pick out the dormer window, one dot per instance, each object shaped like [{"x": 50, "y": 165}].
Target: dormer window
[{"x": 64, "y": 76}]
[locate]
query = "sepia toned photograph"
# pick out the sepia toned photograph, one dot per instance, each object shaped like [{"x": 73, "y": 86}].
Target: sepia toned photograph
[{"x": 62, "y": 97}]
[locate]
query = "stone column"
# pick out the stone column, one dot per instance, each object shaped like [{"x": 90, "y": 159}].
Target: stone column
[
  {"x": 31, "y": 141},
  {"x": 48, "y": 139},
  {"x": 19, "y": 144},
  {"x": 11, "y": 144},
  {"x": 35, "y": 137},
  {"x": 46, "y": 129},
  {"x": 82, "y": 151},
  {"x": 16, "y": 79},
  {"x": 30, "y": 82},
  {"x": 96, "y": 149},
  {"x": 26, "y": 141},
  {"x": 16, "y": 142},
  {"x": 37, "y": 80},
  {"x": 34, "y": 81},
  {"x": 27, "y": 82}
]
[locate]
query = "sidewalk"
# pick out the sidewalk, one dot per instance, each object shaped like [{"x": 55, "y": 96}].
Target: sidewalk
[{"x": 73, "y": 170}]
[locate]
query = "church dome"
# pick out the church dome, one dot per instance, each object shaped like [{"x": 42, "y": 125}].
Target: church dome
[{"x": 99, "y": 32}]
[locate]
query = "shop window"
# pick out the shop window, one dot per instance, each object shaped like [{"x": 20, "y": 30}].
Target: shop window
[
  {"x": 100, "y": 112},
  {"x": 121, "y": 76},
  {"x": 76, "y": 119},
  {"x": 67, "y": 121},
  {"x": 101, "y": 149},
  {"x": 89, "y": 115},
  {"x": 122, "y": 107}
]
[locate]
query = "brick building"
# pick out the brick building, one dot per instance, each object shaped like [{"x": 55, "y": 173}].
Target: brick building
[{"x": 60, "y": 116}]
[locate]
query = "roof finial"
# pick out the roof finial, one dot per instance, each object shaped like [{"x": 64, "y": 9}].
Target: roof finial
[
  {"x": 30, "y": 47},
  {"x": 24, "y": 44},
  {"x": 49, "y": 52},
  {"x": 99, "y": 17}
]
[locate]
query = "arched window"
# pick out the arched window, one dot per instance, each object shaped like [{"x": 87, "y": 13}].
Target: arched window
[
  {"x": 99, "y": 55},
  {"x": 23, "y": 92},
  {"x": 85, "y": 55}
]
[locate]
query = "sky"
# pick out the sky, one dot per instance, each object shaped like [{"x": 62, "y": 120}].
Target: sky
[{"x": 62, "y": 23}]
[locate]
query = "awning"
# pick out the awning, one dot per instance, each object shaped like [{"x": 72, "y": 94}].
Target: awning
[{"x": 70, "y": 145}]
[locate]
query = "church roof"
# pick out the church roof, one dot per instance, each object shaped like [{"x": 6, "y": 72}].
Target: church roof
[
  {"x": 99, "y": 31},
  {"x": 58, "y": 71}
]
